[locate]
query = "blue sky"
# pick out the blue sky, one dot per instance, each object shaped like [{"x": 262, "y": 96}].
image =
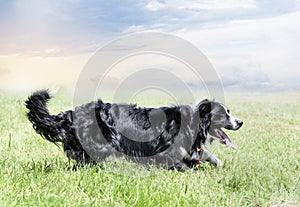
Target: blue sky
[{"x": 252, "y": 44}]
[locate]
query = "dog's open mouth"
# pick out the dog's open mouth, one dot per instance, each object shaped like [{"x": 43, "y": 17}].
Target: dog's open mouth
[{"x": 222, "y": 137}]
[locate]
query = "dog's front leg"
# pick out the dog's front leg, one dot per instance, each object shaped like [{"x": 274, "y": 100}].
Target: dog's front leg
[{"x": 207, "y": 156}]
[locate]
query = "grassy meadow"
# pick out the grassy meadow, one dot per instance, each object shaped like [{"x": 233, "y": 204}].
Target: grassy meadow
[{"x": 265, "y": 171}]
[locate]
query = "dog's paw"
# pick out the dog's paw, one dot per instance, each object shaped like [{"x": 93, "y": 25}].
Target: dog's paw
[{"x": 219, "y": 163}]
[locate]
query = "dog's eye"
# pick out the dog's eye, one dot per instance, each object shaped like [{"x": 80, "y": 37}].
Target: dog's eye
[{"x": 228, "y": 111}]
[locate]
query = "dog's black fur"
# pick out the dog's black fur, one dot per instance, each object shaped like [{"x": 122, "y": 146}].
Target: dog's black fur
[{"x": 182, "y": 129}]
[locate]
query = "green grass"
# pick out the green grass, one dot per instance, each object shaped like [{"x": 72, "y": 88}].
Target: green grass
[{"x": 265, "y": 171}]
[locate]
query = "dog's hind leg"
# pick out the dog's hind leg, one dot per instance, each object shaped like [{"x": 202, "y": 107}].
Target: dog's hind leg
[{"x": 181, "y": 167}]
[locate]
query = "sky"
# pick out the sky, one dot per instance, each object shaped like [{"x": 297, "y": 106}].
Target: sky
[{"x": 252, "y": 44}]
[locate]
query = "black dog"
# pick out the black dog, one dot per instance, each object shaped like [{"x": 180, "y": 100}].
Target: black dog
[{"x": 169, "y": 136}]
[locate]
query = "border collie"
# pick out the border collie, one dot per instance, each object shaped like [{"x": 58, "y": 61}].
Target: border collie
[{"x": 172, "y": 137}]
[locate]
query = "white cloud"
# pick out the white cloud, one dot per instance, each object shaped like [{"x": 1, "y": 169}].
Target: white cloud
[
  {"x": 236, "y": 35},
  {"x": 134, "y": 29},
  {"x": 213, "y": 4},
  {"x": 271, "y": 44},
  {"x": 298, "y": 3},
  {"x": 154, "y": 5}
]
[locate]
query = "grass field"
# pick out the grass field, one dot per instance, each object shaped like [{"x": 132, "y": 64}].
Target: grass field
[{"x": 264, "y": 172}]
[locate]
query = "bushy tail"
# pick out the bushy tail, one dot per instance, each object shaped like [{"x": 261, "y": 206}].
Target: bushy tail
[{"x": 46, "y": 125}]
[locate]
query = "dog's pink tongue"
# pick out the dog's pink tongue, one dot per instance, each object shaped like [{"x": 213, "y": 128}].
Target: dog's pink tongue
[
  {"x": 229, "y": 144},
  {"x": 227, "y": 140}
]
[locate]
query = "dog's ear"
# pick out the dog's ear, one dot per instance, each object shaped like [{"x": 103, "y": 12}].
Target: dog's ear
[{"x": 204, "y": 108}]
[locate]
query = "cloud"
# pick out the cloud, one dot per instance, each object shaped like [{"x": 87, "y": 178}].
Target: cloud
[
  {"x": 72, "y": 27},
  {"x": 35, "y": 27},
  {"x": 212, "y": 4},
  {"x": 178, "y": 15},
  {"x": 155, "y": 5},
  {"x": 269, "y": 43},
  {"x": 249, "y": 77},
  {"x": 238, "y": 36}
]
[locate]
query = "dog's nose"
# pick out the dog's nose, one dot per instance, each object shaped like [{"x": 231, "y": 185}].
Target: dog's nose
[{"x": 239, "y": 123}]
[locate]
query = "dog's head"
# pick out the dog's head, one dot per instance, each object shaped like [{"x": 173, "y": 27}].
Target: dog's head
[{"x": 215, "y": 116}]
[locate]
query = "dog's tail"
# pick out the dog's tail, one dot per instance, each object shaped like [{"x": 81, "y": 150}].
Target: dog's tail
[{"x": 48, "y": 126}]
